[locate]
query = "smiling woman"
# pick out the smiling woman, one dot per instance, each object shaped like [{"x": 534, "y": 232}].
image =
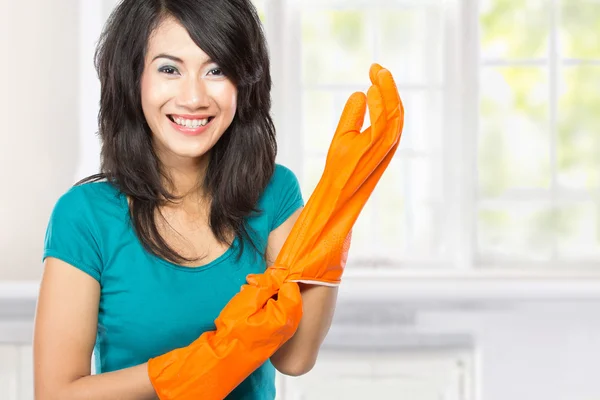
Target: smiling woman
[{"x": 188, "y": 203}]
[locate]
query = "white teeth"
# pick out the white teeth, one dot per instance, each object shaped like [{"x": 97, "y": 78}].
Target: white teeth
[{"x": 190, "y": 123}]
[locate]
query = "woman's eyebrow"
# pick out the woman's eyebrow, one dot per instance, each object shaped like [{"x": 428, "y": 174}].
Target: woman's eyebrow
[
  {"x": 179, "y": 60},
  {"x": 170, "y": 57}
]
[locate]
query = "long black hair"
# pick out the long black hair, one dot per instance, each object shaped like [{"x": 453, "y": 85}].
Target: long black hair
[{"x": 241, "y": 162}]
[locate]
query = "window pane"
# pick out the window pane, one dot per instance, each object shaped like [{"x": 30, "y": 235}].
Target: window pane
[
  {"x": 578, "y": 230},
  {"x": 362, "y": 249},
  {"x": 320, "y": 118},
  {"x": 528, "y": 231},
  {"x": 519, "y": 230},
  {"x": 410, "y": 44},
  {"x": 410, "y": 190},
  {"x": 514, "y": 142},
  {"x": 423, "y": 122},
  {"x": 335, "y": 47},
  {"x": 578, "y": 149},
  {"x": 514, "y": 28},
  {"x": 312, "y": 171},
  {"x": 580, "y": 24},
  {"x": 391, "y": 199}
]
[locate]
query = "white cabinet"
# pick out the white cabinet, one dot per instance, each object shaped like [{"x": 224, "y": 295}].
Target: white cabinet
[
  {"x": 435, "y": 375},
  {"x": 9, "y": 377},
  {"x": 346, "y": 375},
  {"x": 16, "y": 372}
]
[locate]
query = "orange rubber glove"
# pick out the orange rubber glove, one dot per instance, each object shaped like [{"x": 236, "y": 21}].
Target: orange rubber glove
[
  {"x": 317, "y": 248},
  {"x": 251, "y": 327}
]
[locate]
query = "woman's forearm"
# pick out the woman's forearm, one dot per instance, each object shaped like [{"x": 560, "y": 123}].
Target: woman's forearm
[
  {"x": 127, "y": 384},
  {"x": 299, "y": 354}
]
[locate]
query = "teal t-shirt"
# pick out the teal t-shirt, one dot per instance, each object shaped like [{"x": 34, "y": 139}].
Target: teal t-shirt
[{"x": 149, "y": 306}]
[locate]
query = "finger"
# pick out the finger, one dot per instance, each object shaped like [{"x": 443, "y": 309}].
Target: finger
[
  {"x": 262, "y": 286},
  {"x": 250, "y": 300},
  {"x": 389, "y": 92},
  {"x": 353, "y": 115},
  {"x": 286, "y": 310},
  {"x": 265, "y": 280},
  {"x": 255, "y": 279},
  {"x": 259, "y": 295},
  {"x": 373, "y": 71},
  {"x": 376, "y": 110}
]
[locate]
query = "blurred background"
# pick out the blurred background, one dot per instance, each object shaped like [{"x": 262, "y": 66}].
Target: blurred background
[{"x": 474, "y": 270}]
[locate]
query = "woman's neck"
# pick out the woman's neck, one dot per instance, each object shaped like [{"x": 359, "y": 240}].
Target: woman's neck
[{"x": 184, "y": 179}]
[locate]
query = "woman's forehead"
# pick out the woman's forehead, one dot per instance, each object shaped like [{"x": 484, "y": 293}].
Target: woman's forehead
[{"x": 171, "y": 38}]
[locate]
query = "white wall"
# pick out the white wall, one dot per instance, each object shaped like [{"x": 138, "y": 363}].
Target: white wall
[{"x": 39, "y": 141}]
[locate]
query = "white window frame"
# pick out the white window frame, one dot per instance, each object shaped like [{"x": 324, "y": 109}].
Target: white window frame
[{"x": 552, "y": 196}]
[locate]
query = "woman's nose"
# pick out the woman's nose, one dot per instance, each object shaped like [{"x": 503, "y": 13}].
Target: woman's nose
[{"x": 193, "y": 94}]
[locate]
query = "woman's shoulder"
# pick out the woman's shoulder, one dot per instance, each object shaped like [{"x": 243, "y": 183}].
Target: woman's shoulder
[
  {"x": 79, "y": 223},
  {"x": 282, "y": 196},
  {"x": 283, "y": 180},
  {"x": 282, "y": 176},
  {"x": 88, "y": 198}
]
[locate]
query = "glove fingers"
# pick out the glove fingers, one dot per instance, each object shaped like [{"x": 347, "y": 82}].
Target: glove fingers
[
  {"x": 389, "y": 92},
  {"x": 260, "y": 280},
  {"x": 289, "y": 300},
  {"x": 376, "y": 111},
  {"x": 373, "y": 71},
  {"x": 256, "y": 296},
  {"x": 283, "y": 314},
  {"x": 353, "y": 115}
]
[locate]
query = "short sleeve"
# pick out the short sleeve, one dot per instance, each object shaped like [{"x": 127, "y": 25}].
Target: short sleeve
[
  {"x": 286, "y": 195},
  {"x": 70, "y": 234}
]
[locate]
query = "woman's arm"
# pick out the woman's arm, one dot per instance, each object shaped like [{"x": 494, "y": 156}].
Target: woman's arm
[
  {"x": 299, "y": 354},
  {"x": 64, "y": 336}
]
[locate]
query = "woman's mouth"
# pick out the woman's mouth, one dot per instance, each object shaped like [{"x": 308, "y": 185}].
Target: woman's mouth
[{"x": 190, "y": 125}]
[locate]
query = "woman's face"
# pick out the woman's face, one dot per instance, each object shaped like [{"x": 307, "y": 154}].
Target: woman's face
[{"x": 187, "y": 101}]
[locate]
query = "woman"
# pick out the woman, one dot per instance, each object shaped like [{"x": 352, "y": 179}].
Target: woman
[{"x": 140, "y": 259}]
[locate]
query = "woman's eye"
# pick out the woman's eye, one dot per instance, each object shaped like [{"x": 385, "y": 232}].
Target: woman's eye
[
  {"x": 168, "y": 70},
  {"x": 216, "y": 72}
]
